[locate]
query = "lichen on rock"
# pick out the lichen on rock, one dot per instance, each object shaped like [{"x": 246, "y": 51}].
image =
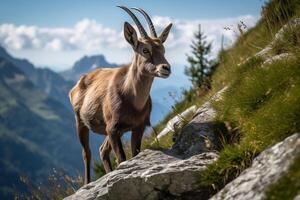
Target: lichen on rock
[{"x": 266, "y": 169}]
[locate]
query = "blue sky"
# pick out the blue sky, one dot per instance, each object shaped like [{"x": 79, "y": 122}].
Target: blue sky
[
  {"x": 65, "y": 13},
  {"x": 56, "y": 33}
]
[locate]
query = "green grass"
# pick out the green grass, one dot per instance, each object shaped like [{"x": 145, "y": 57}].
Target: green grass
[
  {"x": 276, "y": 14},
  {"x": 262, "y": 97},
  {"x": 232, "y": 161},
  {"x": 262, "y": 104},
  {"x": 288, "y": 186}
]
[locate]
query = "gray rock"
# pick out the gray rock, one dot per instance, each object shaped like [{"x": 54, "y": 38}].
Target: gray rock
[
  {"x": 177, "y": 121},
  {"x": 149, "y": 175},
  {"x": 277, "y": 57},
  {"x": 294, "y": 23},
  {"x": 266, "y": 53},
  {"x": 266, "y": 169},
  {"x": 198, "y": 135}
]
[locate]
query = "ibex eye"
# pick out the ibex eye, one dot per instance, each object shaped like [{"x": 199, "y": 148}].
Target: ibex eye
[{"x": 146, "y": 51}]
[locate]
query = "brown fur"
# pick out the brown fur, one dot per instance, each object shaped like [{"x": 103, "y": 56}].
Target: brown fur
[{"x": 113, "y": 101}]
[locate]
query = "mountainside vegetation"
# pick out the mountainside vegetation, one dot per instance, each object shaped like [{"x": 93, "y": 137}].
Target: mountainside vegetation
[{"x": 261, "y": 105}]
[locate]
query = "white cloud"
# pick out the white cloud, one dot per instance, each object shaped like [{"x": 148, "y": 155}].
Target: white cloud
[
  {"x": 90, "y": 37},
  {"x": 87, "y": 35},
  {"x": 213, "y": 29}
]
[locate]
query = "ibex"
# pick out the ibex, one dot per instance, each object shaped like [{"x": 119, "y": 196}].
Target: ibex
[{"x": 113, "y": 101}]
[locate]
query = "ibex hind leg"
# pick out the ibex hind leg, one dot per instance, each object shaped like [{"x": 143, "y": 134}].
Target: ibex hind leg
[
  {"x": 104, "y": 151},
  {"x": 83, "y": 136}
]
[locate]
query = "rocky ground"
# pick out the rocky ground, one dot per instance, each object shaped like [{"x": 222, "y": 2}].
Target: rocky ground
[
  {"x": 266, "y": 169},
  {"x": 173, "y": 173},
  {"x": 163, "y": 174}
]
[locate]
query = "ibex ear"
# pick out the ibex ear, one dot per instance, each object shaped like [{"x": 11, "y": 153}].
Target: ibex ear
[
  {"x": 164, "y": 35},
  {"x": 130, "y": 35}
]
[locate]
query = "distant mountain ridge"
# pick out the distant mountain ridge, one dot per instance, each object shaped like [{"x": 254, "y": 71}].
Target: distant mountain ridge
[
  {"x": 43, "y": 78},
  {"x": 27, "y": 145},
  {"x": 85, "y": 65}
]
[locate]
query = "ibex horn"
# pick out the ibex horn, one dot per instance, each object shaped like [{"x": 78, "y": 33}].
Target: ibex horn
[
  {"x": 136, "y": 21},
  {"x": 149, "y": 21}
]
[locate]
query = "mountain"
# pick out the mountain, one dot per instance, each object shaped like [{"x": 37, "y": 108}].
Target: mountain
[
  {"x": 86, "y": 64},
  {"x": 48, "y": 81},
  {"x": 34, "y": 131}
]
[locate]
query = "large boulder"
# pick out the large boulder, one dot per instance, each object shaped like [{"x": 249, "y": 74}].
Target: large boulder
[
  {"x": 163, "y": 174},
  {"x": 266, "y": 169},
  {"x": 150, "y": 175}
]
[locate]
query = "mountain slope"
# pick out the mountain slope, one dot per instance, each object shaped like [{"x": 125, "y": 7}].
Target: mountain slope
[
  {"x": 48, "y": 81},
  {"x": 261, "y": 105},
  {"x": 34, "y": 130}
]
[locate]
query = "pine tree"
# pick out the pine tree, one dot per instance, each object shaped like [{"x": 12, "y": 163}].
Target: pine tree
[{"x": 200, "y": 66}]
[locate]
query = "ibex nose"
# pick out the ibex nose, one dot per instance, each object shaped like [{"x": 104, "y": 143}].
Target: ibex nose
[{"x": 166, "y": 67}]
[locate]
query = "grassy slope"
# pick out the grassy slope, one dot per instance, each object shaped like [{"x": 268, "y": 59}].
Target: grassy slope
[{"x": 262, "y": 105}]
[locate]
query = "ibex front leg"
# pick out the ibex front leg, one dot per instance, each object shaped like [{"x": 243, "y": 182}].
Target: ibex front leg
[
  {"x": 136, "y": 139},
  {"x": 114, "y": 136}
]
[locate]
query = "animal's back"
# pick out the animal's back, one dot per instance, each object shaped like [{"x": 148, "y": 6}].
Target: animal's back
[{"x": 87, "y": 97}]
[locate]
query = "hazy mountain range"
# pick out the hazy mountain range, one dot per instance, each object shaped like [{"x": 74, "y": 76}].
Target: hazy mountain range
[{"x": 37, "y": 122}]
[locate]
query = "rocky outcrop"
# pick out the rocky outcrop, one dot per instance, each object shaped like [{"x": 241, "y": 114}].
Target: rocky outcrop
[
  {"x": 150, "y": 175},
  {"x": 163, "y": 174},
  {"x": 267, "y": 54},
  {"x": 177, "y": 121},
  {"x": 198, "y": 135},
  {"x": 281, "y": 56},
  {"x": 266, "y": 169}
]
